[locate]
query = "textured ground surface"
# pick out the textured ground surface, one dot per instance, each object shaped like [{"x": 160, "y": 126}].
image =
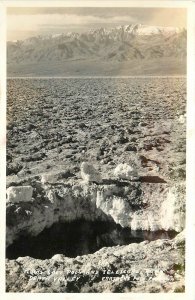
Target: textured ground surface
[
  {"x": 58, "y": 123},
  {"x": 157, "y": 266},
  {"x": 52, "y": 126}
]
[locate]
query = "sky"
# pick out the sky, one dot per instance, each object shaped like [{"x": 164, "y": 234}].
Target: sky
[{"x": 24, "y": 22}]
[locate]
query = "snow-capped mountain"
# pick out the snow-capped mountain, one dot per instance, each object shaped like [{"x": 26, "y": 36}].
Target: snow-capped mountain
[{"x": 122, "y": 43}]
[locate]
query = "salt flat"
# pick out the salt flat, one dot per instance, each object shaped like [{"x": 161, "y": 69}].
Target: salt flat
[{"x": 56, "y": 124}]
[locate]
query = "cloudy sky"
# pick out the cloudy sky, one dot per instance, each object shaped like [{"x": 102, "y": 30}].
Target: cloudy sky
[{"x": 26, "y": 22}]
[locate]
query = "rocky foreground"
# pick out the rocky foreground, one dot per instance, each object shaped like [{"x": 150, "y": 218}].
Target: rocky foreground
[
  {"x": 116, "y": 224},
  {"x": 157, "y": 266},
  {"x": 54, "y": 199}
]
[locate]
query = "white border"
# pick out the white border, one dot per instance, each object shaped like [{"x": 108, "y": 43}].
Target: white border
[
  {"x": 190, "y": 211},
  {"x": 190, "y": 156},
  {"x": 2, "y": 142}
]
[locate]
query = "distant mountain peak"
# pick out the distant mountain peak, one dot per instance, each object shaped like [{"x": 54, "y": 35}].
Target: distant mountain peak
[
  {"x": 122, "y": 43},
  {"x": 132, "y": 29}
]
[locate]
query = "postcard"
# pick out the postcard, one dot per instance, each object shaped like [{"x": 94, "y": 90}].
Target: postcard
[{"x": 97, "y": 112}]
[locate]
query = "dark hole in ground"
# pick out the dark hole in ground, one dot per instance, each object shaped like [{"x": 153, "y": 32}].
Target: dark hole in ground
[
  {"x": 78, "y": 238},
  {"x": 152, "y": 179}
]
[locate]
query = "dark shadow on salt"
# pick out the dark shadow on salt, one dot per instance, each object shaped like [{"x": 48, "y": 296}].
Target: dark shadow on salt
[{"x": 78, "y": 238}]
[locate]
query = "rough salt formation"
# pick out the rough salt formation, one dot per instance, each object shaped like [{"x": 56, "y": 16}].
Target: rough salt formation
[
  {"x": 89, "y": 173},
  {"x": 130, "y": 204},
  {"x": 156, "y": 266},
  {"x": 172, "y": 212},
  {"x": 119, "y": 120},
  {"x": 57, "y": 124},
  {"x": 182, "y": 119},
  {"x": 16, "y": 194},
  {"x": 54, "y": 177},
  {"x": 125, "y": 171}
]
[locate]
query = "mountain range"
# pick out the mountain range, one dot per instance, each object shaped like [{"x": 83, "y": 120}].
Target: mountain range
[{"x": 101, "y": 52}]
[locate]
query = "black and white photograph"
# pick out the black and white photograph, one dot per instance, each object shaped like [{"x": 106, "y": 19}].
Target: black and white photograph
[{"x": 96, "y": 149}]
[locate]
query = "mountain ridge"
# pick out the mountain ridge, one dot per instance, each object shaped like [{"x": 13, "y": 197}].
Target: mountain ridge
[{"x": 124, "y": 43}]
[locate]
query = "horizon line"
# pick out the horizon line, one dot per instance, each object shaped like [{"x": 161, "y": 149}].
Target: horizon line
[{"x": 91, "y": 77}]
